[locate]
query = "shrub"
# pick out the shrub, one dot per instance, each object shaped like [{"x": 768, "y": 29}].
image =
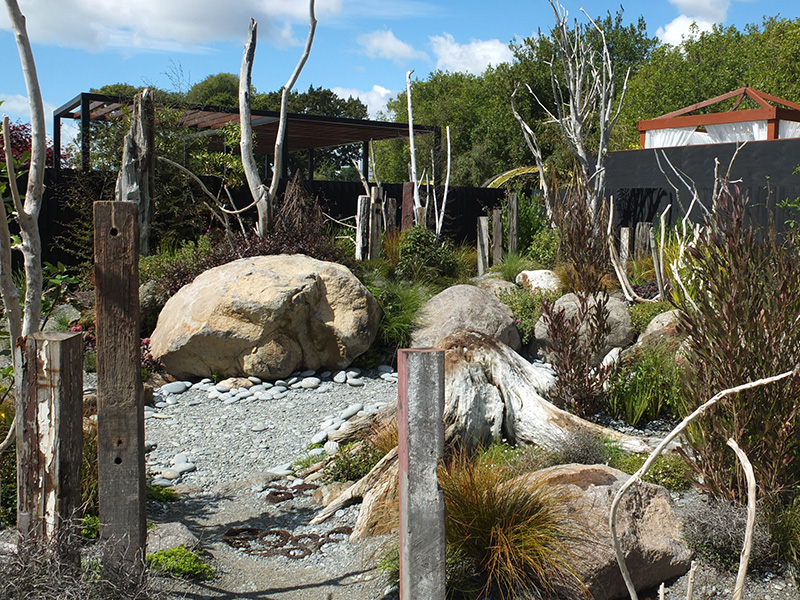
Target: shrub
[
  {"x": 180, "y": 562},
  {"x": 90, "y": 527},
  {"x": 162, "y": 494},
  {"x": 517, "y": 535},
  {"x": 645, "y": 384},
  {"x": 8, "y": 473},
  {"x": 576, "y": 341},
  {"x": 715, "y": 530},
  {"x": 353, "y": 461},
  {"x": 421, "y": 257},
  {"x": 584, "y": 448},
  {"x": 527, "y": 308},
  {"x": 544, "y": 247},
  {"x": 744, "y": 328},
  {"x": 642, "y": 313},
  {"x": 400, "y": 305}
]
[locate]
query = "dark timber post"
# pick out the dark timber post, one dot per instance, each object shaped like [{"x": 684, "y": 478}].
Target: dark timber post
[
  {"x": 120, "y": 414},
  {"x": 375, "y": 219},
  {"x": 407, "y": 209},
  {"x": 50, "y": 436},
  {"x": 362, "y": 227},
  {"x": 497, "y": 236},
  {"x": 420, "y": 405},
  {"x": 513, "y": 223}
]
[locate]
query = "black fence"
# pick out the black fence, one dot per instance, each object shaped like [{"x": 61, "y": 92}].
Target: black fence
[
  {"x": 338, "y": 198},
  {"x": 643, "y": 182}
]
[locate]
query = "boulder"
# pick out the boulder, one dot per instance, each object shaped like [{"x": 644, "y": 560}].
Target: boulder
[
  {"x": 266, "y": 316},
  {"x": 661, "y": 324},
  {"x": 541, "y": 279},
  {"x": 648, "y": 527},
  {"x": 166, "y": 536},
  {"x": 495, "y": 285},
  {"x": 621, "y": 332},
  {"x": 465, "y": 307}
]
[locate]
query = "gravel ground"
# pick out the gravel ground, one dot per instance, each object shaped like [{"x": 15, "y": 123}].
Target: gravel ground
[{"x": 230, "y": 489}]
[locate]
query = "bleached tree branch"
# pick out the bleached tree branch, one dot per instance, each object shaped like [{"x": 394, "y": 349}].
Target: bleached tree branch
[{"x": 412, "y": 149}]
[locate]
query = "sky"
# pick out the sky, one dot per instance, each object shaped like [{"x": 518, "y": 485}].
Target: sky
[{"x": 361, "y": 48}]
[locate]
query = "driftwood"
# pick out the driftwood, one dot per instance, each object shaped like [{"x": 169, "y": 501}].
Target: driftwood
[{"x": 491, "y": 393}]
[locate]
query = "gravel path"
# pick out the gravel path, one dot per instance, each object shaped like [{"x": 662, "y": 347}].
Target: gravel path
[{"x": 234, "y": 447}]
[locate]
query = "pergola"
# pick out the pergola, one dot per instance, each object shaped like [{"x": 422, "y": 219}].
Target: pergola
[
  {"x": 303, "y": 132},
  {"x": 779, "y": 120}
]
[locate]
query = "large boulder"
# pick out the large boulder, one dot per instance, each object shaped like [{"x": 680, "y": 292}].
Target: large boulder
[
  {"x": 465, "y": 307},
  {"x": 621, "y": 331},
  {"x": 648, "y": 528},
  {"x": 266, "y": 316}
]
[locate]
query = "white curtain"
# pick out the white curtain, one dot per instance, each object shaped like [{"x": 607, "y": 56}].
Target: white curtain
[
  {"x": 788, "y": 129},
  {"x": 700, "y": 137},
  {"x": 664, "y": 138},
  {"x": 737, "y": 132}
]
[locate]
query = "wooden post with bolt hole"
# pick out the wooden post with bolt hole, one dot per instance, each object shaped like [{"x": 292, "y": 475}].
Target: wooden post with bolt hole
[
  {"x": 420, "y": 405},
  {"x": 50, "y": 439},
  {"x": 120, "y": 410}
]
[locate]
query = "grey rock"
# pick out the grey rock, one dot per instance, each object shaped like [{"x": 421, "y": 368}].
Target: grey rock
[
  {"x": 331, "y": 448},
  {"x": 358, "y": 382},
  {"x": 340, "y": 377},
  {"x": 185, "y": 467},
  {"x": 310, "y": 383},
  {"x": 170, "y": 474},
  {"x": 319, "y": 437},
  {"x": 165, "y": 536},
  {"x": 351, "y": 411}
]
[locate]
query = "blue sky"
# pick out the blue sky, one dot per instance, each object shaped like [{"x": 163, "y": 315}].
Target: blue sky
[{"x": 362, "y": 47}]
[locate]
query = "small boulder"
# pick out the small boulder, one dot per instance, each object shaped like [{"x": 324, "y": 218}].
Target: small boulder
[
  {"x": 266, "y": 316},
  {"x": 539, "y": 280},
  {"x": 661, "y": 324},
  {"x": 465, "y": 307},
  {"x": 648, "y": 527},
  {"x": 495, "y": 285},
  {"x": 165, "y": 536}
]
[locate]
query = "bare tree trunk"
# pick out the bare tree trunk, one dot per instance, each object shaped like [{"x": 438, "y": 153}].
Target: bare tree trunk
[
  {"x": 412, "y": 150},
  {"x": 264, "y": 198},
  {"x": 27, "y": 212}
]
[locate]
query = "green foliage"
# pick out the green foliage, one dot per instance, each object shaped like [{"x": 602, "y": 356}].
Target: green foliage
[
  {"x": 158, "y": 265},
  {"x": 90, "y": 527},
  {"x": 353, "y": 461},
  {"x": 668, "y": 470},
  {"x": 516, "y": 533},
  {"x": 544, "y": 247},
  {"x": 642, "y": 313},
  {"x": 422, "y": 257},
  {"x": 582, "y": 448},
  {"x": 784, "y": 520},
  {"x": 90, "y": 495},
  {"x": 8, "y": 473},
  {"x": 527, "y": 307},
  {"x": 513, "y": 264},
  {"x": 400, "y": 305},
  {"x": 744, "y": 328},
  {"x": 180, "y": 562},
  {"x": 162, "y": 494},
  {"x": 646, "y": 383}
]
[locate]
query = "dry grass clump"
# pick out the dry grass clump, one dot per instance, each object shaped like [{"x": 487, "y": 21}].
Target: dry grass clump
[{"x": 516, "y": 535}]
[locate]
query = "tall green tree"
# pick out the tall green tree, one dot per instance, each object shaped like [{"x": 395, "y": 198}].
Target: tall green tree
[{"x": 221, "y": 89}]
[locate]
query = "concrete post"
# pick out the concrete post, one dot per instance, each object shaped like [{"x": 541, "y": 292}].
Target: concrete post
[{"x": 420, "y": 406}]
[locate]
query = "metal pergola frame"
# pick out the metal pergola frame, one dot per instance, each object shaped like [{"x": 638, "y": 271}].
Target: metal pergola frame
[{"x": 303, "y": 132}]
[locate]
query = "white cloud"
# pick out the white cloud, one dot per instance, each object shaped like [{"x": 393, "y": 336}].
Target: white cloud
[
  {"x": 713, "y": 11},
  {"x": 681, "y": 28},
  {"x": 473, "y": 58},
  {"x": 176, "y": 25},
  {"x": 384, "y": 44},
  {"x": 375, "y": 99}
]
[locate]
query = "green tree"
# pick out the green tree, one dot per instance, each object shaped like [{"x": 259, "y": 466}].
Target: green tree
[{"x": 221, "y": 89}]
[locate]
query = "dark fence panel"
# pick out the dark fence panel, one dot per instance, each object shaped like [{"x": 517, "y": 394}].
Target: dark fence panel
[{"x": 642, "y": 191}]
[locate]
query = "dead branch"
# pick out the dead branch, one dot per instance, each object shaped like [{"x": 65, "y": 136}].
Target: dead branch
[
  {"x": 363, "y": 179},
  {"x": 412, "y": 150},
  {"x": 622, "y": 276},
  {"x": 338, "y": 222},
  {"x": 637, "y": 476},
  {"x": 751, "y": 518}
]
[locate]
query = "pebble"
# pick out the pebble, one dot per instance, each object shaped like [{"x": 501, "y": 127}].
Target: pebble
[
  {"x": 221, "y": 387},
  {"x": 340, "y": 377},
  {"x": 352, "y": 410},
  {"x": 170, "y": 474},
  {"x": 176, "y": 387},
  {"x": 310, "y": 383},
  {"x": 331, "y": 448},
  {"x": 355, "y": 382},
  {"x": 259, "y": 427},
  {"x": 319, "y": 437},
  {"x": 254, "y": 380}
]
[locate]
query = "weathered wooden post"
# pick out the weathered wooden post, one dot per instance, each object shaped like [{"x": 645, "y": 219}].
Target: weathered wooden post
[
  {"x": 513, "y": 223},
  {"x": 420, "y": 405},
  {"x": 641, "y": 245},
  {"x": 497, "y": 236},
  {"x": 407, "y": 209},
  {"x": 50, "y": 437},
  {"x": 483, "y": 245},
  {"x": 120, "y": 410},
  {"x": 375, "y": 218},
  {"x": 624, "y": 246},
  {"x": 362, "y": 227},
  {"x": 391, "y": 216}
]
